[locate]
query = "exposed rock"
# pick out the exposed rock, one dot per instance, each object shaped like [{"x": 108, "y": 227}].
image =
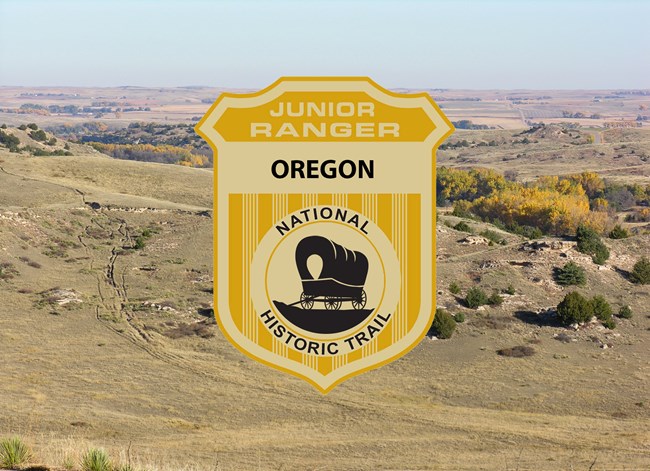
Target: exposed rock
[
  {"x": 474, "y": 240},
  {"x": 564, "y": 338},
  {"x": 522, "y": 263},
  {"x": 160, "y": 307},
  {"x": 546, "y": 310},
  {"x": 206, "y": 278},
  {"x": 62, "y": 297},
  {"x": 542, "y": 245},
  {"x": 489, "y": 264}
]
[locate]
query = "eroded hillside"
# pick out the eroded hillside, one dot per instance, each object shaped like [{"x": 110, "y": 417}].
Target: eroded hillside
[{"x": 107, "y": 338}]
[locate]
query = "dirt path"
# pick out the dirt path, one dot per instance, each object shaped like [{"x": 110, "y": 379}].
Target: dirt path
[
  {"x": 114, "y": 310},
  {"x": 521, "y": 115}
]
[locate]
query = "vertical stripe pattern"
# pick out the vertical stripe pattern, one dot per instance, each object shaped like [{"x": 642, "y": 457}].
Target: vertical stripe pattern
[{"x": 252, "y": 215}]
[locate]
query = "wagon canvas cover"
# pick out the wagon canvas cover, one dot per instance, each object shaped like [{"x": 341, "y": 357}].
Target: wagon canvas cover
[{"x": 343, "y": 270}]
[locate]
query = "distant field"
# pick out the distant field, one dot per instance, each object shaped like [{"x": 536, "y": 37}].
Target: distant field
[{"x": 503, "y": 109}]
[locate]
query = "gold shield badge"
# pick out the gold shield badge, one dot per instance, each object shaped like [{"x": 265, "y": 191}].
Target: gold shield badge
[{"x": 324, "y": 223}]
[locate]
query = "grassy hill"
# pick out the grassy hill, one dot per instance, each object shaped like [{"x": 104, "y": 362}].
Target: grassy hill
[
  {"x": 618, "y": 154},
  {"x": 106, "y": 339}
]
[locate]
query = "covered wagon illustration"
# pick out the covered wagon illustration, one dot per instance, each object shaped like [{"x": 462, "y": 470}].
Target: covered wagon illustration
[{"x": 341, "y": 279}]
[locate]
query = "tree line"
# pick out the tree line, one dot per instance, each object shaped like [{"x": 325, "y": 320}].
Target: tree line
[{"x": 551, "y": 204}]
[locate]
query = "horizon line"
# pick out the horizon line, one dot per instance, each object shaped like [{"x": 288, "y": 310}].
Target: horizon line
[{"x": 390, "y": 88}]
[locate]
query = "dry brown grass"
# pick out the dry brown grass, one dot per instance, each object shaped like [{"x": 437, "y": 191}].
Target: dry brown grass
[{"x": 445, "y": 405}]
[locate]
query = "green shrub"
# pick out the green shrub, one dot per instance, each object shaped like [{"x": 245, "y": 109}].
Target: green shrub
[
  {"x": 609, "y": 323},
  {"x": 495, "y": 299},
  {"x": 476, "y": 297},
  {"x": 32, "y": 126},
  {"x": 9, "y": 140},
  {"x": 454, "y": 288},
  {"x": 494, "y": 237},
  {"x": 44, "y": 153},
  {"x": 531, "y": 232},
  {"x": 139, "y": 243},
  {"x": 462, "y": 209},
  {"x": 601, "y": 308},
  {"x": 619, "y": 233},
  {"x": 96, "y": 459},
  {"x": 625, "y": 312},
  {"x": 601, "y": 255},
  {"x": 526, "y": 231},
  {"x": 13, "y": 453},
  {"x": 443, "y": 325},
  {"x": 39, "y": 135},
  {"x": 586, "y": 239},
  {"x": 459, "y": 317},
  {"x": 510, "y": 290},
  {"x": 574, "y": 308},
  {"x": 4, "y": 126},
  {"x": 641, "y": 272},
  {"x": 570, "y": 274},
  {"x": 463, "y": 227},
  {"x": 22, "y": 127},
  {"x": 588, "y": 242}
]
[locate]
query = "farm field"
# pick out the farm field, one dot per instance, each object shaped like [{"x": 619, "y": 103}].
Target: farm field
[{"x": 501, "y": 109}]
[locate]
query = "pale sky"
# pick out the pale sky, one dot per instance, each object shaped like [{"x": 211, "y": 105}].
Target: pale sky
[{"x": 248, "y": 44}]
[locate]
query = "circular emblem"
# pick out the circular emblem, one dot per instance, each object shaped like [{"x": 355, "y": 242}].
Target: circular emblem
[{"x": 326, "y": 280}]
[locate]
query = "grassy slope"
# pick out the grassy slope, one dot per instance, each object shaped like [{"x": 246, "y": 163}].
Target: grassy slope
[
  {"x": 87, "y": 375},
  {"x": 556, "y": 155}
]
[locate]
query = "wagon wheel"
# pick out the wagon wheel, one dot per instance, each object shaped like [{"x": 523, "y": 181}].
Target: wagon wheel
[
  {"x": 360, "y": 302},
  {"x": 332, "y": 303},
  {"x": 307, "y": 302}
]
